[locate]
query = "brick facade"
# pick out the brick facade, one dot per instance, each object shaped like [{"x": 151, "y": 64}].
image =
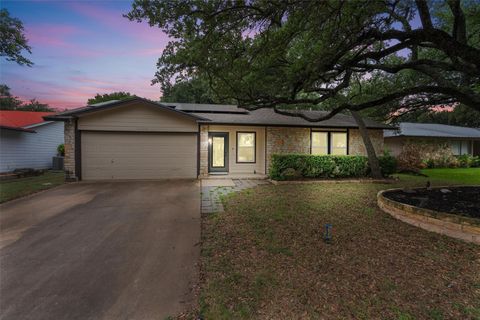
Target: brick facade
[
  {"x": 203, "y": 151},
  {"x": 69, "y": 159},
  {"x": 287, "y": 140},
  {"x": 356, "y": 145}
]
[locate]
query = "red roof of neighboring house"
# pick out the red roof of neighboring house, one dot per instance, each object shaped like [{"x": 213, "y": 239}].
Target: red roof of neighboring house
[{"x": 20, "y": 119}]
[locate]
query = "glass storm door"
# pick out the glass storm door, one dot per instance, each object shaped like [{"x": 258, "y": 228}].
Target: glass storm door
[{"x": 218, "y": 152}]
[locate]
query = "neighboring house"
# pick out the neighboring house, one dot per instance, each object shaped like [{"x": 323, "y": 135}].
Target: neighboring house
[
  {"x": 27, "y": 140},
  {"x": 462, "y": 140},
  {"x": 141, "y": 139}
]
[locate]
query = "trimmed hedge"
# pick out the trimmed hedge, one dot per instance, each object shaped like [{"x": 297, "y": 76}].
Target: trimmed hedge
[{"x": 290, "y": 166}]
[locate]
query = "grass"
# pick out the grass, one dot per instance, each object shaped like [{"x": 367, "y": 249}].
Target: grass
[
  {"x": 11, "y": 189},
  {"x": 265, "y": 257},
  {"x": 464, "y": 176}
]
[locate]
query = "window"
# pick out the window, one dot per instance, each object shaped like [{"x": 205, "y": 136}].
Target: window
[
  {"x": 460, "y": 147},
  {"x": 466, "y": 147},
  {"x": 218, "y": 152},
  {"x": 329, "y": 143},
  {"x": 319, "y": 142},
  {"x": 246, "y": 147},
  {"x": 338, "y": 143}
]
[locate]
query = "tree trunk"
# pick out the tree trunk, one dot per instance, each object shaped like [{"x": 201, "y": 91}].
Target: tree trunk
[{"x": 372, "y": 157}]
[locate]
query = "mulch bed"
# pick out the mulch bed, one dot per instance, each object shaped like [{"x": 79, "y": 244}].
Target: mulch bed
[{"x": 464, "y": 201}]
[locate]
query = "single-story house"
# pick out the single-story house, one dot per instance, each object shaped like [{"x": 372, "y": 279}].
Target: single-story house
[
  {"x": 462, "y": 140},
  {"x": 27, "y": 140},
  {"x": 141, "y": 139}
]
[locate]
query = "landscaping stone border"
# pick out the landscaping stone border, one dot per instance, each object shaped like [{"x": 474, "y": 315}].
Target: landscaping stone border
[{"x": 455, "y": 226}]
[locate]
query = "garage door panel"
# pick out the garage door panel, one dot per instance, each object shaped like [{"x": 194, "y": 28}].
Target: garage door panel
[{"x": 122, "y": 155}]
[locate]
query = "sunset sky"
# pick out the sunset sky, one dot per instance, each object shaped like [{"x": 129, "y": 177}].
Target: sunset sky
[{"x": 80, "y": 48}]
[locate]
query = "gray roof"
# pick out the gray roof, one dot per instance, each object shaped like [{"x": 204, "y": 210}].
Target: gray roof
[
  {"x": 230, "y": 114},
  {"x": 408, "y": 129},
  {"x": 268, "y": 116},
  {"x": 201, "y": 107},
  {"x": 65, "y": 115}
]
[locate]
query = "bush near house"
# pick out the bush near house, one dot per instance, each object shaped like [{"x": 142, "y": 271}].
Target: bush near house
[
  {"x": 290, "y": 166},
  {"x": 468, "y": 161},
  {"x": 388, "y": 163}
]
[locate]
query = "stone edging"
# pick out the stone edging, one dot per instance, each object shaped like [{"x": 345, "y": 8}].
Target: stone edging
[
  {"x": 455, "y": 226},
  {"x": 383, "y": 181}
]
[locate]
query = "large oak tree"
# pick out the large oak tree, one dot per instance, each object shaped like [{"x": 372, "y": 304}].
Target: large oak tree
[{"x": 329, "y": 54}]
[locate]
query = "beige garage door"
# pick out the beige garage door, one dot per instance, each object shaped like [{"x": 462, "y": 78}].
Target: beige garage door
[{"x": 131, "y": 155}]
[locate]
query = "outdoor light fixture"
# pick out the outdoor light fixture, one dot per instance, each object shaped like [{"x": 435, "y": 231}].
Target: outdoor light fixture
[
  {"x": 327, "y": 236},
  {"x": 209, "y": 140}
]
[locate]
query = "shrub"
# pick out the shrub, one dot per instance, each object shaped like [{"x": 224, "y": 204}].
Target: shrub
[
  {"x": 467, "y": 161},
  {"x": 410, "y": 159},
  {"x": 388, "y": 163},
  {"x": 61, "y": 149},
  {"x": 290, "y": 166},
  {"x": 476, "y": 162}
]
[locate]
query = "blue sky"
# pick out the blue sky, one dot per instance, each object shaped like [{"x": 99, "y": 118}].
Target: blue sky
[{"x": 80, "y": 48}]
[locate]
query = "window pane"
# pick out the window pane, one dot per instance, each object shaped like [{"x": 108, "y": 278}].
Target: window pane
[
  {"x": 456, "y": 147},
  {"x": 319, "y": 143},
  {"x": 218, "y": 152},
  {"x": 246, "y": 147},
  {"x": 339, "y": 143},
  {"x": 465, "y": 147}
]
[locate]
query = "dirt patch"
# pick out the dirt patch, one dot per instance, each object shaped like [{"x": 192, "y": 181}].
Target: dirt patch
[{"x": 464, "y": 201}]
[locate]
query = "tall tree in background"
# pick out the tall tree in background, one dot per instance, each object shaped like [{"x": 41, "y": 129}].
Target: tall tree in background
[
  {"x": 194, "y": 90},
  {"x": 335, "y": 55},
  {"x": 461, "y": 115},
  {"x": 12, "y": 39},
  {"x": 9, "y": 102},
  {"x": 119, "y": 95}
]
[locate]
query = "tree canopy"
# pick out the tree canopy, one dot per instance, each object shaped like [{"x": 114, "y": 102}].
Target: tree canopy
[
  {"x": 119, "y": 95},
  {"x": 336, "y": 55},
  {"x": 192, "y": 91},
  {"x": 461, "y": 115},
  {"x": 12, "y": 39}
]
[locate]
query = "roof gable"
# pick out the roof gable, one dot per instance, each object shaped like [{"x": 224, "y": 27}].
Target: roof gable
[{"x": 115, "y": 104}]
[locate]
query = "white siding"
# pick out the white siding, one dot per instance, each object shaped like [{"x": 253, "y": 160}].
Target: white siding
[{"x": 30, "y": 150}]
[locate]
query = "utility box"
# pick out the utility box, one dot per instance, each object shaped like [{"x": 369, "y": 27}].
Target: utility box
[{"x": 57, "y": 163}]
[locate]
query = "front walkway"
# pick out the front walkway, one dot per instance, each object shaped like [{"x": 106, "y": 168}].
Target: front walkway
[{"x": 214, "y": 190}]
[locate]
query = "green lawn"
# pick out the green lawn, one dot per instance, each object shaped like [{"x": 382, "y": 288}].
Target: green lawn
[
  {"x": 457, "y": 176},
  {"x": 11, "y": 189},
  {"x": 264, "y": 257}
]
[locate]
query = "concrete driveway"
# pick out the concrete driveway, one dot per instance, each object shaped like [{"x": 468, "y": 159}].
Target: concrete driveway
[{"x": 122, "y": 250}]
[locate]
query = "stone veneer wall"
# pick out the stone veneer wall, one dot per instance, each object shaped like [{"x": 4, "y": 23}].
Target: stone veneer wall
[
  {"x": 287, "y": 140},
  {"x": 203, "y": 150},
  {"x": 293, "y": 140},
  {"x": 69, "y": 159},
  {"x": 356, "y": 145}
]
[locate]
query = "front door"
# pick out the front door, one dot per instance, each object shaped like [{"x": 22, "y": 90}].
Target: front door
[{"x": 218, "y": 152}]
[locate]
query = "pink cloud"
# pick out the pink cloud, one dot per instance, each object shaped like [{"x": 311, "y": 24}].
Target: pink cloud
[
  {"x": 116, "y": 21},
  {"x": 69, "y": 96},
  {"x": 61, "y": 37}
]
